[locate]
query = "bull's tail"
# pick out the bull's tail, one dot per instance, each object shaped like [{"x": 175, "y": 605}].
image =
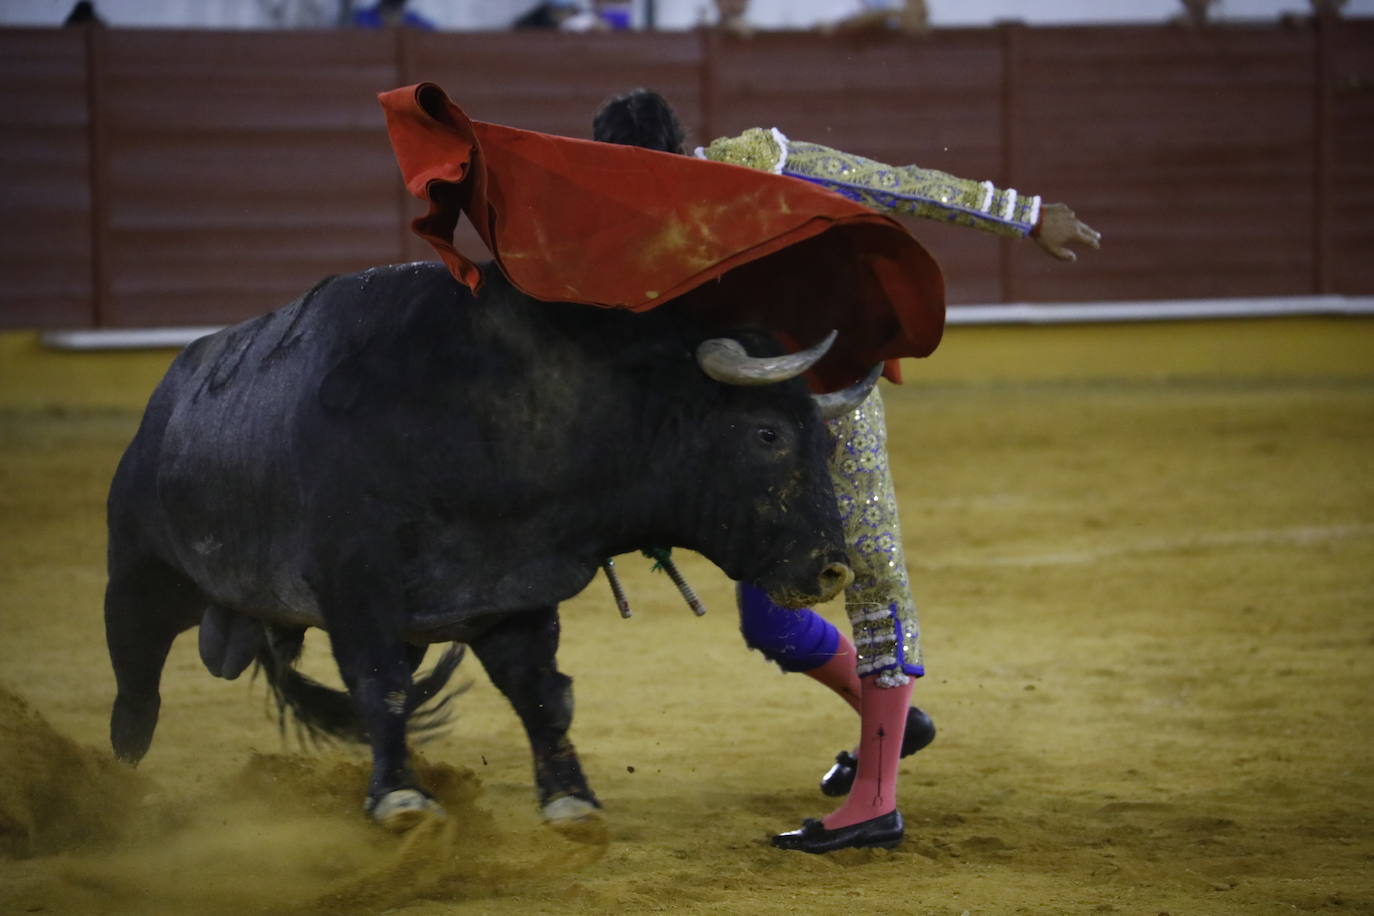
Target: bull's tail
[{"x": 323, "y": 713}]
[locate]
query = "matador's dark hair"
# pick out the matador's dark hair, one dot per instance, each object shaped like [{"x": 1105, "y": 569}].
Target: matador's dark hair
[{"x": 640, "y": 117}]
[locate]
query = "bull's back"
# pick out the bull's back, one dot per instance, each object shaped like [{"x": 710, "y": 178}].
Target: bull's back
[{"x": 212, "y": 482}]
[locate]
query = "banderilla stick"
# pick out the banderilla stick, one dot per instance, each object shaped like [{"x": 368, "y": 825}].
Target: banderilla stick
[
  {"x": 692, "y": 600},
  {"x": 621, "y": 602}
]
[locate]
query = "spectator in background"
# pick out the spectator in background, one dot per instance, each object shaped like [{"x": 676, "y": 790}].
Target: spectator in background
[
  {"x": 1195, "y": 13},
  {"x": 83, "y": 14},
  {"x": 731, "y": 17},
  {"x": 551, "y": 14},
  {"x": 616, "y": 14},
  {"x": 1323, "y": 9},
  {"x": 909, "y": 16},
  {"x": 572, "y": 16},
  {"x": 390, "y": 14}
]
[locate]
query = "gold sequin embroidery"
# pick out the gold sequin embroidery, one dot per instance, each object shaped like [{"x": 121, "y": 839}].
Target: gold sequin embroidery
[
  {"x": 881, "y": 611},
  {"x": 910, "y": 189}
]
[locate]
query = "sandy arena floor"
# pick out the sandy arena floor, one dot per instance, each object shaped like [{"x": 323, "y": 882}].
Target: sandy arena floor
[{"x": 1145, "y": 558}]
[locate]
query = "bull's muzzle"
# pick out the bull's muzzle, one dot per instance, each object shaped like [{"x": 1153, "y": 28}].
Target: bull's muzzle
[{"x": 834, "y": 579}]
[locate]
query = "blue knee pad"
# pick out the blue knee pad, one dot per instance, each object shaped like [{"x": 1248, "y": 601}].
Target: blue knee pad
[{"x": 798, "y": 640}]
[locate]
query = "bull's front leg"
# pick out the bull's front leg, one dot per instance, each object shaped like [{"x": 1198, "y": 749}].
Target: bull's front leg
[
  {"x": 363, "y": 608},
  {"x": 518, "y": 654}
]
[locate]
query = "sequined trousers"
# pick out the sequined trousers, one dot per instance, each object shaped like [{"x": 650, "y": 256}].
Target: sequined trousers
[{"x": 881, "y": 611}]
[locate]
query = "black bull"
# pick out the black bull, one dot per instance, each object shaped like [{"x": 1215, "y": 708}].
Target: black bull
[{"x": 399, "y": 462}]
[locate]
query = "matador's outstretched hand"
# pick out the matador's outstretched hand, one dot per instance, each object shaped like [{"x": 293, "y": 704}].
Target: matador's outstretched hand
[{"x": 1059, "y": 228}]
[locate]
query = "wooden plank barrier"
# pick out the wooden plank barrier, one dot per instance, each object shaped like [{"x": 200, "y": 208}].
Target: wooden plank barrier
[
  {"x": 46, "y": 225},
  {"x": 190, "y": 178}
]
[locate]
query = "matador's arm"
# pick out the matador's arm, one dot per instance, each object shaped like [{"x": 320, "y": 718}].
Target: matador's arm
[{"x": 909, "y": 189}]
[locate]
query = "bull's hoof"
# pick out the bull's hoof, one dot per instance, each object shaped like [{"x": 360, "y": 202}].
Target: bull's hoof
[
  {"x": 401, "y": 809},
  {"x": 570, "y": 808},
  {"x": 577, "y": 819}
]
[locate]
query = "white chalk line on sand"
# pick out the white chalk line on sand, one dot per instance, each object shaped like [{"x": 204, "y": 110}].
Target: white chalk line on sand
[{"x": 1117, "y": 547}]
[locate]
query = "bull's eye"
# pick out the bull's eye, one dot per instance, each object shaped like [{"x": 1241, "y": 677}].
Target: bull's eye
[{"x": 768, "y": 435}]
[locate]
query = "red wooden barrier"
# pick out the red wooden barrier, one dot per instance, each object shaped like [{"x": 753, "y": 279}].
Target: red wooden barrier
[
  {"x": 160, "y": 177},
  {"x": 1347, "y": 158},
  {"x": 46, "y": 246},
  {"x": 240, "y": 167},
  {"x": 1190, "y": 150}
]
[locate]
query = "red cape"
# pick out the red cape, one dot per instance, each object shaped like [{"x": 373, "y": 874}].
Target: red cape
[{"x": 619, "y": 227}]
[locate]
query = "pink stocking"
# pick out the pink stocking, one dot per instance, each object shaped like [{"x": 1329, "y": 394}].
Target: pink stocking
[
  {"x": 838, "y": 673},
  {"x": 883, "y": 711}
]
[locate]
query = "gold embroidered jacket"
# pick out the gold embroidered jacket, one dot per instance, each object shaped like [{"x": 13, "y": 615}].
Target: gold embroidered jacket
[{"x": 907, "y": 189}]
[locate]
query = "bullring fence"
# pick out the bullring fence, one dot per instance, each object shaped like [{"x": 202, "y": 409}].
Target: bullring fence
[{"x": 173, "y": 178}]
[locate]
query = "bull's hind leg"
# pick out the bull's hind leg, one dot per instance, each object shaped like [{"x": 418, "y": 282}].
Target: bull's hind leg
[
  {"x": 518, "y": 654},
  {"x": 362, "y": 604},
  {"x": 146, "y": 605},
  {"x": 377, "y": 674}
]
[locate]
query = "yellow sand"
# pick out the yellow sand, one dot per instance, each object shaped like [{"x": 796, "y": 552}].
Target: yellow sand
[{"x": 1145, "y": 560}]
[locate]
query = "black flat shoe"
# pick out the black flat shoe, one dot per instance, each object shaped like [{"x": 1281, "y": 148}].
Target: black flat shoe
[
  {"x": 920, "y": 731},
  {"x": 838, "y": 780},
  {"x": 881, "y": 832}
]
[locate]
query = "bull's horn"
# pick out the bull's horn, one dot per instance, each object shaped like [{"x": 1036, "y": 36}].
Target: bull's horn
[
  {"x": 725, "y": 360},
  {"x": 838, "y": 403}
]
